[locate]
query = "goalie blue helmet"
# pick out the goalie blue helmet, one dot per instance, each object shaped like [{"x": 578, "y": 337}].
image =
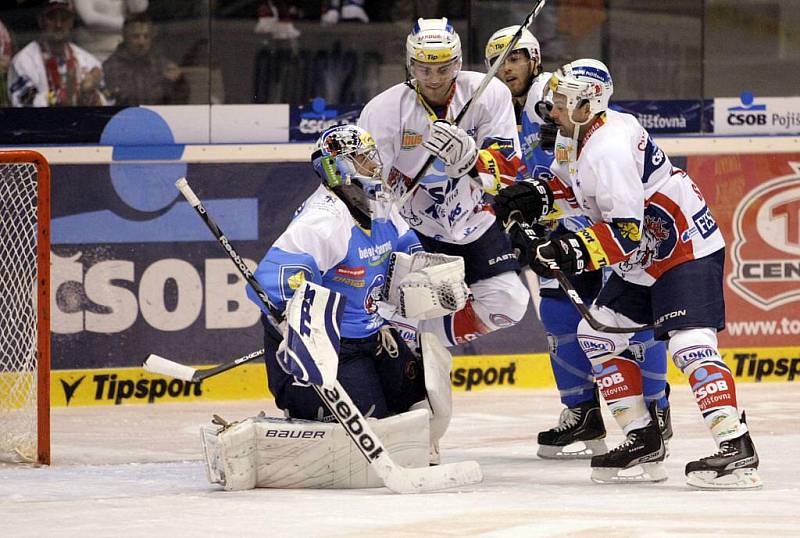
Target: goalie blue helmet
[{"x": 347, "y": 160}]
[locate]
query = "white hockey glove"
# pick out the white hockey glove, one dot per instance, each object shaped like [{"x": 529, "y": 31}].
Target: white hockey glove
[
  {"x": 426, "y": 286},
  {"x": 454, "y": 146}
]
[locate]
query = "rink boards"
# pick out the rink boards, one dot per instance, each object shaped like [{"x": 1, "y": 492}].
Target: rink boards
[
  {"x": 124, "y": 386},
  {"x": 135, "y": 272}
]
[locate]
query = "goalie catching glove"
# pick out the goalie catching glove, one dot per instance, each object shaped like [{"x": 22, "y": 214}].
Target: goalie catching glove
[
  {"x": 454, "y": 147},
  {"x": 425, "y": 285}
]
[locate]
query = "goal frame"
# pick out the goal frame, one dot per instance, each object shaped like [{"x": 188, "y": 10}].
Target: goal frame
[{"x": 43, "y": 295}]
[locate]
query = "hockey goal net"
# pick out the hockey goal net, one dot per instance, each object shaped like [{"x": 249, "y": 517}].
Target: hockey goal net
[{"x": 24, "y": 307}]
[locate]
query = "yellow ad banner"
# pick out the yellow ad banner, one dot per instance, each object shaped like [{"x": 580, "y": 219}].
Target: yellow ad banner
[{"x": 470, "y": 373}]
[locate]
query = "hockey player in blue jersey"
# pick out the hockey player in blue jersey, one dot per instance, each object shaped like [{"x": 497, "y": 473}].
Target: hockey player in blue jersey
[
  {"x": 580, "y": 431},
  {"x": 343, "y": 238},
  {"x": 345, "y": 254}
]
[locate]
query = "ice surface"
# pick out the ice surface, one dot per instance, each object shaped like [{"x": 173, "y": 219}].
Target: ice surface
[{"x": 134, "y": 471}]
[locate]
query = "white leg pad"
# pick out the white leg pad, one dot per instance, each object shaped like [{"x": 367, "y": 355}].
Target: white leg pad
[
  {"x": 437, "y": 364},
  {"x": 268, "y": 452}
]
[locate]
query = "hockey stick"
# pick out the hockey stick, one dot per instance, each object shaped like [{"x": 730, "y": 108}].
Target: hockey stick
[
  {"x": 160, "y": 365},
  {"x": 574, "y": 296},
  {"x": 586, "y": 314},
  {"x": 396, "y": 478},
  {"x": 478, "y": 92}
]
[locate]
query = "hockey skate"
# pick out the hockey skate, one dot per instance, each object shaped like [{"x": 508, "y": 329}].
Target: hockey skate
[
  {"x": 578, "y": 435},
  {"x": 664, "y": 417},
  {"x": 640, "y": 458},
  {"x": 734, "y": 466}
]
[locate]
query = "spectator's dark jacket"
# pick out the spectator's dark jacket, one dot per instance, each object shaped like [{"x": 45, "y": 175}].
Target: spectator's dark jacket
[{"x": 140, "y": 81}]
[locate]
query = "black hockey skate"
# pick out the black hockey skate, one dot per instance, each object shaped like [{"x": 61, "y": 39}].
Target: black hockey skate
[
  {"x": 578, "y": 435},
  {"x": 640, "y": 458},
  {"x": 665, "y": 419},
  {"x": 733, "y": 467}
]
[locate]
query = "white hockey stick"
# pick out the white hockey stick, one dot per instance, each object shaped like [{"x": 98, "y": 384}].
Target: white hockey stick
[{"x": 396, "y": 478}]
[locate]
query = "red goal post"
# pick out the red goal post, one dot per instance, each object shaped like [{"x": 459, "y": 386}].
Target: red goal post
[{"x": 24, "y": 307}]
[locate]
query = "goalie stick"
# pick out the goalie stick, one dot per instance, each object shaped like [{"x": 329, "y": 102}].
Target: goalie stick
[
  {"x": 160, "y": 365},
  {"x": 478, "y": 92},
  {"x": 396, "y": 478}
]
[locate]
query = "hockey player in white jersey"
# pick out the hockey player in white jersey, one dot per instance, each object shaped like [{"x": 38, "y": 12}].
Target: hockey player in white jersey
[
  {"x": 654, "y": 228},
  {"x": 411, "y": 121},
  {"x": 580, "y": 429}
]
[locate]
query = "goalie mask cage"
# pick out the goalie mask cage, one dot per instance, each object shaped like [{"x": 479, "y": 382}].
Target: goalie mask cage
[{"x": 24, "y": 307}]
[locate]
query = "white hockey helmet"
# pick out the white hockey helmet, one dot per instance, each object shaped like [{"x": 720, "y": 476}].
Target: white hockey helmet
[
  {"x": 433, "y": 41},
  {"x": 584, "y": 80},
  {"x": 501, "y": 38},
  {"x": 346, "y": 157}
]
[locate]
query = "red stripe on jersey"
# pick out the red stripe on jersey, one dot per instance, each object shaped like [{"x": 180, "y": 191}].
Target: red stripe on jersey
[{"x": 612, "y": 250}]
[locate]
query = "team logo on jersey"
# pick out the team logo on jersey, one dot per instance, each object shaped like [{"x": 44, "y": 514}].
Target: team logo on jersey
[
  {"x": 374, "y": 293},
  {"x": 291, "y": 278},
  {"x": 296, "y": 280},
  {"x": 658, "y": 241},
  {"x": 411, "y": 139},
  {"x": 766, "y": 243}
]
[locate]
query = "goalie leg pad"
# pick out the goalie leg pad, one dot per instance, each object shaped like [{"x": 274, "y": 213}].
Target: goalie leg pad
[
  {"x": 437, "y": 363},
  {"x": 270, "y": 452}
]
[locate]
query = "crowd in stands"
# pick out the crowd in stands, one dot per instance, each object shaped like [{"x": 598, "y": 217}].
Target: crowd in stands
[
  {"x": 116, "y": 65},
  {"x": 103, "y": 52}
]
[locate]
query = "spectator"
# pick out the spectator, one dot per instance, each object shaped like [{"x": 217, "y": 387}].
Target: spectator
[
  {"x": 6, "y": 51},
  {"x": 102, "y": 23},
  {"x": 275, "y": 18},
  {"x": 136, "y": 75},
  {"x": 344, "y": 11},
  {"x": 53, "y": 71}
]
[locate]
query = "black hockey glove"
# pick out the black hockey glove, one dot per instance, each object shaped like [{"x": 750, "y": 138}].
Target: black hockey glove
[
  {"x": 523, "y": 236},
  {"x": 565, "y": 252},
  {"x": 547, "y": 130},
  {"x": 547, "y": 136},
  {"x": 531, "y": 199}
]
